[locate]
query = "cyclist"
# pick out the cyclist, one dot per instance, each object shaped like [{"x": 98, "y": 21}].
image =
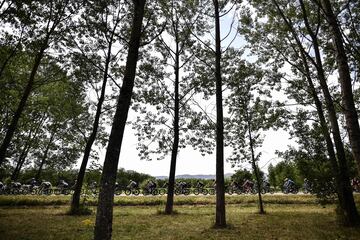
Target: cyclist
[
  {"x": 266, "y": 186},
  {"x": 15, "y": 185},
  {"x": 214, "y": 183},
  {"x": 234, "y": 184},
  {"x": 32, "y": 182},
  {"x": 151, "y": 185},
  {"x": 289, "y": 185},
  {"x": 45, "y": 185},
  {"x": 199, "y": 184},
  {"x": 180, "y": 184},
  {"x": 63, "y": 184},
  {"x": 132, "y": 184},
  {"x": 248, "y": 185},
  {"x": 307, "y": 186}
]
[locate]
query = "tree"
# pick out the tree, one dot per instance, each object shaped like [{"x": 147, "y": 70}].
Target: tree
[
  {"x": 105, "y": 34},
  {"x": 284, "y": 15},
  {"x": 103, "y": 226},
  {"x": 349, "y": 110},
  {"x": 167, "y": 117},
  {"x": 56, "y": 100},
  {"x": 55, "y": 14},
  {"x": 250, "y": 113},
  {"x": 241, "y": 175},
  {"x": 220, "y": 218}
]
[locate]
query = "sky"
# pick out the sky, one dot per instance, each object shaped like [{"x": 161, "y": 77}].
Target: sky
[{"x": 190, "y": 161}]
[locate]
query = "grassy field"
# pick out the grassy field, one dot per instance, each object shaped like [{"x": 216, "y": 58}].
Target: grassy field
[
  {"x": 288, "y": 217},
  {"x": 282, "y": 221},
  {"x": 160, "y": 200}
]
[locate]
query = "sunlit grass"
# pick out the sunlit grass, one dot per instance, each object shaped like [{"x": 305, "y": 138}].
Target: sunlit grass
[{"x": 285, "y": 221}]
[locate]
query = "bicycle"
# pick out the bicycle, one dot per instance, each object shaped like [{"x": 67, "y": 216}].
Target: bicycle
[
  {"x": 133, "y": 191},
  {"x": 202, "y": 191}
]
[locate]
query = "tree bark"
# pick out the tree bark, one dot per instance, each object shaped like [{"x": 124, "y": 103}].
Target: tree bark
[
  {"x": 175, "y": 146},
  {"x": 75, "y": 202},
  {"x": 220, "y": 219},
  {"x": 104, "y": 215},
  {"x": 351, "y": 116}
]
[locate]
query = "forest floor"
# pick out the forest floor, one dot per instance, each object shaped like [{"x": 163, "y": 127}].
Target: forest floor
[{"x": 281, "y": 221}]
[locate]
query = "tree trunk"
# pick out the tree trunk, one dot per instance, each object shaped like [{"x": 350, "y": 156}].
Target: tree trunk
[
  {"x": 26, "y": 149},
  {"x": 104, "y": 215},
  {"x": 20, "y": 163},
  {"x": 346, "y": 198},
  {"x": 14, "y": 122},
  {"x": 43, "y": 160},
  {"x": 175, "y": 147},
  {"x": 220, "y": 219},
  {"x": 351, "y": 116},
  {"x": 75, "y": 202},
  {"x": 255, "y": 168}
]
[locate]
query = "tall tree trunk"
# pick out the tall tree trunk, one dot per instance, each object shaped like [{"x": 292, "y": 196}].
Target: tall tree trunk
[
  {"x": 255, "y": 168},
  {"x": 104, "y": 215},
  {"x": 45, "y": 155},
  {"x": 343, "y": 180},
  {"x": 220, "y": 219},
  {"x": 346, "y": 199},
  {"x": 14, "y": 122},
  {"x": 324, "y": 129},
  {"x": 351, "y": 116},
  {"x": 75, "y": 202},
  {"x": 175, "y": 146}
]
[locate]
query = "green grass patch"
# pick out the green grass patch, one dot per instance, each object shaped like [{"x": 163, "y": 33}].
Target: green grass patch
[
  {"x": 282, "y": 221},
  {"x": 160, "y": 200}
]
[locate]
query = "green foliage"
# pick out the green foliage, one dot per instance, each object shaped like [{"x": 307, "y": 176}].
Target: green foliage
[
  {"x": 282, "y": 170},
  {"x": 162, "y": 91},
  {"x": 124, "y": 176},
  {"x": 241, "y": 175}
]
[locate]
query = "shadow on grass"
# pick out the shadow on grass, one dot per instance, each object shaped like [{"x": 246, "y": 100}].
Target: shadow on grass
[
  {"x": 162, "y": 212},
  {"x": 228, "y": 226},
  {"x": 81, "y": 211}
]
